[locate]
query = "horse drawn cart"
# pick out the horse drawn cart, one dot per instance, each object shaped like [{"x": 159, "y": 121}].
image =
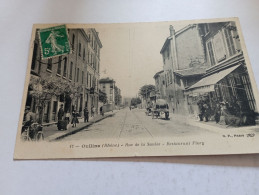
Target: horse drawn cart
[{"x": 160, "y": 109}]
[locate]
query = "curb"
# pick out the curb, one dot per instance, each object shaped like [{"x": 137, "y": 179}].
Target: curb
[{"x": 80, "y": 129}]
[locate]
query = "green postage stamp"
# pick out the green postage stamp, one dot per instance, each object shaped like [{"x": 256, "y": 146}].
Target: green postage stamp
[{"x": 54, "y": 41}]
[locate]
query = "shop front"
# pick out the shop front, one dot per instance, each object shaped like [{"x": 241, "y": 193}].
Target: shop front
[{"x": 230, "y": 87}]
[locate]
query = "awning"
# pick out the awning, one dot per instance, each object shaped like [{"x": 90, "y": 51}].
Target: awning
[{"x": 207, "y": 84}]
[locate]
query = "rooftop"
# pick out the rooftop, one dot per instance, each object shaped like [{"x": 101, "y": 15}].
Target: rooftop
[
  {"x": 158, "y": 73},
  {"x": 106, "y": 80}
]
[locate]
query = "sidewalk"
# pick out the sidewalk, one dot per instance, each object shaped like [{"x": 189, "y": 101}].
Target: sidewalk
[
  {"x": 211, "y": 125},
  {"x": 51, "y": 132}
]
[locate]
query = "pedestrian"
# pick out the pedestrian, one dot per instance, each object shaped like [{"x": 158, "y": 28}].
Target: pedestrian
[
  {"x": 200, "y": 109},
  {"x": 86, "y": 114},
  {"x": 74, "y": 118},
  {"x": 217, "y": 112},
  {"x": 206, "y": 111},
  {"x": 101, "y": 111},
  {"x": 60, "y": 113}
]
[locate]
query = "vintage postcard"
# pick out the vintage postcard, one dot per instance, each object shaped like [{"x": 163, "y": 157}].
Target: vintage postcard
[{"x": 138, "y": 89}]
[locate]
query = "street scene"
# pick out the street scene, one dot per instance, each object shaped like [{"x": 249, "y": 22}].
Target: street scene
[
  {"x": 135, "y": 124},
  {"x": 115, "y": 83}
]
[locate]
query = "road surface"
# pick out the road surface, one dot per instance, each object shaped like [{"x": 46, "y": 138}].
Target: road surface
[{"x": 136, "y": 124}]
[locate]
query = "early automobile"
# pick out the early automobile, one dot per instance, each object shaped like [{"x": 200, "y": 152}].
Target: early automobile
[{"x": 160, "y": 109}]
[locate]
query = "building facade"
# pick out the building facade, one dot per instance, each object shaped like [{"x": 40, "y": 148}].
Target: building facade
[
  {"x": 93, "y": 68},
  {"x": 107, "y": 86},
  {"x": 160, "y": 85},
  {"x": 183, "y": 57},
  {"x": 63, "y": 79},
  {"x": 226, "y": 79}
]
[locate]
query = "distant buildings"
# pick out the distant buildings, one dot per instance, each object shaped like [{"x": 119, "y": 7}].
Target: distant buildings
[{"x": 113, "y": 93}]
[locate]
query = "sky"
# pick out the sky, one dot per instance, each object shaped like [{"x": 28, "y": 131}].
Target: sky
[{"x": 131, "y": 53}]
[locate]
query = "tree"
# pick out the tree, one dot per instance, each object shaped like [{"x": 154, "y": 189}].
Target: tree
[
  {"x": 117, "y": 96},
  {"x": 42, "y": 90},
  {"x": 146, "y": 90},
  {"x": 135, "y": 101},
  {"x": 102, "y": 97}
]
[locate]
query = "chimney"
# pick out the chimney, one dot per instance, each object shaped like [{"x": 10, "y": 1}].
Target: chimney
[{"x": 171, "y": 28}]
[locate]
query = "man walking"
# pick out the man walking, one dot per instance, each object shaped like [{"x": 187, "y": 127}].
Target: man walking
[
  {"x": 101, "y": 111},
  {"x": 201, "y": 109},
  {"x": 86, "y": 114},
  {"x": 60, "y": 113},
  {"x": 61, "y": 124}
]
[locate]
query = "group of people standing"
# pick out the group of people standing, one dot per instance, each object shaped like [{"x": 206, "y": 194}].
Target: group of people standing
[
  {"x": 62, "y": 124},
  {"x": 218, "y": 109},
  {"x": 204, "y": 109}
]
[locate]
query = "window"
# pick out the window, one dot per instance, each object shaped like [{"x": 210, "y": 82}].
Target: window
[
  {"x": 171, "y": 77},
  {"x": 73, "y": 42},
  {"x": 91, "y": 62},
  {"x": 88, "y": 58},
  {"x": 211, "y": 53},
  {"x": 54, "y": 110},
  {"x": 87, "y": 77},
  {"x": 49, "y": 66},
  {"x": 249, "y": 92},
  {"x": 90, "y": 79},
  {"x": 166, "y": 84},
  {"x": 93, "y": 82},
  {"x": 230, "y": 42},
  {"x": 75, "y": 74},
  {"x": 89, "y": 36},
  {"x": 59, "y": 65},
  {"x": 94, "y": 63},
  {"x": 79, "y": 49},
  {"x": 35, "y": 49},
  {"x": 84, "y": 54},
  {"x": 77, "y": 78},
  {"x": 65, "y": 67},
  {"x": 233, "y": 85},
  {"x": 83, "y": 77},
  {"x": 168, "y": 78},
  {"x": 71, "y": 69}
]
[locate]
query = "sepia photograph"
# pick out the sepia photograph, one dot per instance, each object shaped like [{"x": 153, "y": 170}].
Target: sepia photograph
[{"x": 138, "y": 89}]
